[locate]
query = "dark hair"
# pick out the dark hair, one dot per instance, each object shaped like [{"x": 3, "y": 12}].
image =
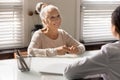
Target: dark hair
[{"x": 116, "y": 19}]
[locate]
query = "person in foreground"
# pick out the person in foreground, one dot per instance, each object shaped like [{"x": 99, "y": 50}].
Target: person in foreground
[
  {"x": 107, "y": 61},
  {"x": 51, "y": 40}
]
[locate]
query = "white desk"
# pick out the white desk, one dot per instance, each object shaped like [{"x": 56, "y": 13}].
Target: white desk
[{"x": 9, "y": 69}]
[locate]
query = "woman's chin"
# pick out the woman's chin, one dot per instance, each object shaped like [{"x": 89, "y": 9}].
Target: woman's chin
[{"x": 57, "y": 27}]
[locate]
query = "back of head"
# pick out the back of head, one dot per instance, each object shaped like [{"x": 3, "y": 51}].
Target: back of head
[{"x": 116, "y": 19}]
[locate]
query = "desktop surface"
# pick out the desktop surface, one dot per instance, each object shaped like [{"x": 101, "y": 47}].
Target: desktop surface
[{"x": 9, "y": 69}]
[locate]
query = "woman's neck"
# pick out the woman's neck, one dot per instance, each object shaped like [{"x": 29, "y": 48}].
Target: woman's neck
[{"x": 53, "y": 34}]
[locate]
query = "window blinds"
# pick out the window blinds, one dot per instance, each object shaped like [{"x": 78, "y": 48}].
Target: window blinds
[
  {"x": 11, "y": 24},
  {"x": 96, "y": 19}
]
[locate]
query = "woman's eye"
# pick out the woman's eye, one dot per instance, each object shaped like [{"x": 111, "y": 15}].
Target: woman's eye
[
  {"x": 55, "y": 17},
  {"x": 52, "y": 17},
  {"x": 58, "y": 16}
]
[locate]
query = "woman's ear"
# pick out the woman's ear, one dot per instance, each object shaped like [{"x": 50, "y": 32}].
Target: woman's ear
[
  {"x": 114, "y": 32},
  {"x": 44, "y": 21}
]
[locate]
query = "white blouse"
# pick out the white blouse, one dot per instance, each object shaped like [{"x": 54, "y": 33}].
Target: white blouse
[{"x": 41, "y": 45}]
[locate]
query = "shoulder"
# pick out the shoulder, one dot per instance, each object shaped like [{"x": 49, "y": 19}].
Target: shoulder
[
  {"x": 37, "y": 34},
  {"x": 111, "y": 48},
  {"x": 115, "y": 45},
  {"x": 62, "y": 31}
]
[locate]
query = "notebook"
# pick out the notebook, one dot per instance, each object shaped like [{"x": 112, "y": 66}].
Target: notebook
[{"x": 54, "y": 68}]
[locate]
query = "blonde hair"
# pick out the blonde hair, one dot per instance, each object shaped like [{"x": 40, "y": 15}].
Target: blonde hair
[
  {"x": 42, "y": 9},
  {"x": 38, "y": 7},
  {"x": 45, "y": 9}
]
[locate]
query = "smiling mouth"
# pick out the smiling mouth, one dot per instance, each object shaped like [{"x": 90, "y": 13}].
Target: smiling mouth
[{"x": 56, "y": 25}]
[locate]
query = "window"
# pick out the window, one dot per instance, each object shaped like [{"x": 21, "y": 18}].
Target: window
[
  {"x": 96, "y": 20},
  {"x": 11, "y": 24}
]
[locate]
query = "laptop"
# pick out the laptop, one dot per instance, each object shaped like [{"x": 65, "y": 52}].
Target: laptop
[{"x": 54, "y": 68}]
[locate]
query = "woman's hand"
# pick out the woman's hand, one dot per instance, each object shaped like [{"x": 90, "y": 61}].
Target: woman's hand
[
  {"x": 73, "y": 50},
  {"x": 62, "y": 50}
]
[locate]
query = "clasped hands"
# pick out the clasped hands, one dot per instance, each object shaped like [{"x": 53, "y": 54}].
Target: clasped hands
[{"x": 64, "y": 49}]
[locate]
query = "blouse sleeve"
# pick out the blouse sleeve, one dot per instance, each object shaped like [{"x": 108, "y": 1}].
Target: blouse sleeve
[
  {"x": 96, "y": 64},
  {"x": 34, "y": 47},
  {"x": 70, "y": 41}
]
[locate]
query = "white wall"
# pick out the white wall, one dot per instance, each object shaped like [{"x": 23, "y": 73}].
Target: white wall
[{"x": 67, "y": 10}]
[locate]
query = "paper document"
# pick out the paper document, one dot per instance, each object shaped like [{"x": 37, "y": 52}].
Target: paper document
[
  {"x": 54, "y": 68},
  {"x": 67, "y": 56}
]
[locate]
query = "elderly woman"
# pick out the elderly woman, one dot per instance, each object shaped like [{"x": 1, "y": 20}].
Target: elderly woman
[{"x": 51, "y": 40}]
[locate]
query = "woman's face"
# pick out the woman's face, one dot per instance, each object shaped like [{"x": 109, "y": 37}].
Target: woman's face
[{"x": 53, "y": 19}]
